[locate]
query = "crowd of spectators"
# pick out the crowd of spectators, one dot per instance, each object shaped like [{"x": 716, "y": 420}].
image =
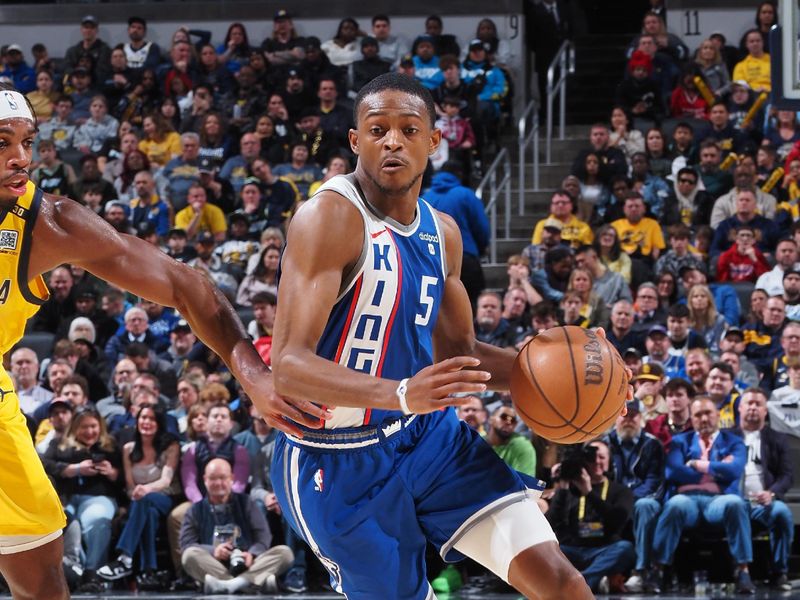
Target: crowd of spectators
[
  {"x": 678, "y": 207},
  {"x": 675, "y": 229}
]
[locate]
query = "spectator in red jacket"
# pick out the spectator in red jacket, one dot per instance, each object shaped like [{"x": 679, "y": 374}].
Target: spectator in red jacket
[{"x": 743, "y": 261}]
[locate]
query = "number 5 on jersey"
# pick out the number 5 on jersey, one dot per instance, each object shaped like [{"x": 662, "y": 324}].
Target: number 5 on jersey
[{"x": 426, "y": 300}]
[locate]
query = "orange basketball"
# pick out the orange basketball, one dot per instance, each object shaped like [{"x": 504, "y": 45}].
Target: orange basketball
[{"x": 568, "y": 384}]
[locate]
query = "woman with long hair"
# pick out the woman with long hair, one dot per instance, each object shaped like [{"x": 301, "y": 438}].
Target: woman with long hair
[
  {"x": 161, "y": 143},
  {"x": 712, "y": 68},
  {"x": 264, "y": 278},
  {"x": 594, "y": 194},
  {"x": 766, "y": 16},
  {"x": 344, "y": 48},
  {"x": 171, "y": 110},
  {"x": 215, "y": 143},
  {"x": 499, "y": 50},
  {"x": 758, "y": 301},
  {"x": 188, "y": 389},
  {"x": 151, "y": 463},
  {"x": 273, "y": 145},
  {"x": 656, "y": 150},
  {"x": 133, "y": 162},
  {"x": 210, "y": 72},
  {"x": 86, "y": 466},
  {"x": 43, "y": 98},
  {"x": 623, "y": 136},
  {"x": 143, "y": 99},
  {"x": 705, "y": 320},
  {"x": 606, "y": 243},
  {"x": 235, "y": 49},
  {"x": 594, "y": 309},
  {"x": 196, "y": 424},
  {"x": 782, "y": 132},
  {"x": 667, "y": 289}
]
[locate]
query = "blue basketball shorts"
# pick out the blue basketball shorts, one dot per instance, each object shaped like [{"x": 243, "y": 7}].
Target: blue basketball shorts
[{"x": 367, "y": 499}]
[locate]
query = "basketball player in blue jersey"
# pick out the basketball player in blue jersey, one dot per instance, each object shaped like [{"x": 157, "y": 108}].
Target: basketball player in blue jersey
[
  {"x": 38, "y": 232},
  {"x": 374, "y": 324}
]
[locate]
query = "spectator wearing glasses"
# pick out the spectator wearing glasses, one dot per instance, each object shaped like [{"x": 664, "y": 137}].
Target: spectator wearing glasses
[
  {"x": 743, "y": 261},
  {"x": 515, "y": 449},
  {"x": 687, "y": 202},
  {"x": 574, "y": 231},
  {"x": 647, "y": 309}
]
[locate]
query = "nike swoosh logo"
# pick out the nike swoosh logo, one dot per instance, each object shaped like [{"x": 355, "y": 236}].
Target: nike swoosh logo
[{"x": 377, "y": 233}]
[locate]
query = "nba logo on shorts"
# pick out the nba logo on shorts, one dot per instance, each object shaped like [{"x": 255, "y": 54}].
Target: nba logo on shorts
[{"x": 318, "y": 483}]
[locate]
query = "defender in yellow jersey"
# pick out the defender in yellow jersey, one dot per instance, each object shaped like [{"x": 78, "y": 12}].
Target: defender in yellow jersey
[{"x": 39, "y": 232}]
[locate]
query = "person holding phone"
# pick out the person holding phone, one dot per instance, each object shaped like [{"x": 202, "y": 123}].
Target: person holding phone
[{"x": 86, "y": 465}]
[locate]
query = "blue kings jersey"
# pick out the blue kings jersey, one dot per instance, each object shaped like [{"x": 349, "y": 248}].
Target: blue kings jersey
[{"x": 383, "y": 320}]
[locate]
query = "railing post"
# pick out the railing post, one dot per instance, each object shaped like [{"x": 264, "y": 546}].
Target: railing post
[
  {"x": 562, "y": 95},
  {"x": 522, "y": 138},
  {"x": 535, "y": 153},
  {"x": 507, "y": 163}
]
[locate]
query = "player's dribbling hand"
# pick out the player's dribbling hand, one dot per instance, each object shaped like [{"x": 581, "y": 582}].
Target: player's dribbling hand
[{"x": 432, "y": 388}]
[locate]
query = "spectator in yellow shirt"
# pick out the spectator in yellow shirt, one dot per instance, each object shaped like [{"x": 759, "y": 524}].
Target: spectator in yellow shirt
[
  {"x": 575, "y": 231},
  {"x": 199, "y": 215},
  {"x": 161, "y": 144},
  {"x": 755, "y": 68},
  {"x": 639, "y": 236}
]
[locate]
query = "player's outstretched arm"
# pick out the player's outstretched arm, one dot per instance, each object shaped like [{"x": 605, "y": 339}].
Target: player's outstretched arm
[
  {"x": 455, "y": 333},
  {"x": 324, "y": 243},
  {"x": 66, "y": 232}
]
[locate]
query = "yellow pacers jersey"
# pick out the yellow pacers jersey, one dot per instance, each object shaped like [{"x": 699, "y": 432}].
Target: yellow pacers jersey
[{"x": 28, "y": 503}]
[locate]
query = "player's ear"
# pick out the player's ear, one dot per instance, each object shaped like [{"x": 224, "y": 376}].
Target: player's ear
[
  {"x": 436, "y": 139},
  {"x": 352, "y": 137}
]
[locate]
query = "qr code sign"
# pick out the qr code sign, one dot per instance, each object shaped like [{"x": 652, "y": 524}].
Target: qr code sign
[{"x": 8, "y": 239}]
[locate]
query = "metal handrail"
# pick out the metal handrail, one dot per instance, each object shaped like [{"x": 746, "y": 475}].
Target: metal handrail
[
  {"x": 565, "y": 61},
  {"x": 490, "y": 179},
  {"x": 527, "y": 138}
]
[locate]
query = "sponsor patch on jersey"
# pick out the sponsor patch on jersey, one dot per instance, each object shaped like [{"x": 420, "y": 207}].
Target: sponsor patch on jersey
[{"x": 8, "y": 239}]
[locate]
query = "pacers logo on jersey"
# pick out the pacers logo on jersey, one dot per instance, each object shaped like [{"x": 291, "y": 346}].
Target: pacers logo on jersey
[
  {"x": 5, "y": 289},
  {"x": 8, "y": 239}
]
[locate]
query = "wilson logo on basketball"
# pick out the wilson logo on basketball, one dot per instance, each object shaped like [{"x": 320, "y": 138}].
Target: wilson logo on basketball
[{"x": 593, "y": 368}]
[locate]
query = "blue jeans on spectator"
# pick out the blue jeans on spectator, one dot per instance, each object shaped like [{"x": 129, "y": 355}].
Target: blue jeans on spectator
[
  {"x": 142, "y": 526},
  {"x": 777, "y": 518},
  {"x": 596, "y": 562},
  {"x": 94, "y": 514},
  {"x": 683, "y": 511},
  {"x": 645, "y": 517}
]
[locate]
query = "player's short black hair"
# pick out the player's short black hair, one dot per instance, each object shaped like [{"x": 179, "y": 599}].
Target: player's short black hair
[{"x": 398, "y": 82}]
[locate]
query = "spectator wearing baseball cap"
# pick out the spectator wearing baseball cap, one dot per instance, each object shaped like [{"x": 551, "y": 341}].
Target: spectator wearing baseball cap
[
  {"x": 647, "y": 384},
  {"x": 18, "y": 71},
  {"x": 59, "y": 413},
  {"x": 284, "y": 47},
  {"x": 368, "y": 67},
  {"x": 92, "y": 45},
  {"x": 661, "y": 354}
]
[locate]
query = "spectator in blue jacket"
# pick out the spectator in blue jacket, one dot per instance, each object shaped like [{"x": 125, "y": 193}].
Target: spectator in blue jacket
[
  {"x": 448, "y": 195},
  {"x": 704, "y": 475},
  {"x": 22, "y": 74},
  {"x": 488, "y": 85},
  {"x": 637, "y": 461},
  {"x": 426, "y": 63}
]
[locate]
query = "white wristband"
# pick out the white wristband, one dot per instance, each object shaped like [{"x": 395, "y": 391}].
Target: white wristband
[{"x": 400, "y": 392}]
